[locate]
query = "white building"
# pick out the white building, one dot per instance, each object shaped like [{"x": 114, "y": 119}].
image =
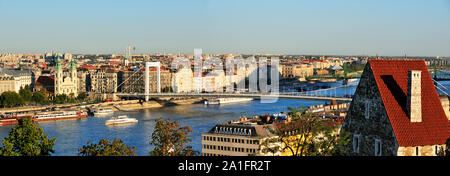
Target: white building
[{"x": 13, "y": 80}]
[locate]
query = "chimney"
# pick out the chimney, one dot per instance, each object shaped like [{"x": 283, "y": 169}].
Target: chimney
[{"x": 414, "y": 102}]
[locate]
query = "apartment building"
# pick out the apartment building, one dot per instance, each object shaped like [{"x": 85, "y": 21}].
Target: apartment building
[
  {"x": 134, "y": 81},
  {"x": 104, "y": 81},
  {"x": 233, "y": 140}
]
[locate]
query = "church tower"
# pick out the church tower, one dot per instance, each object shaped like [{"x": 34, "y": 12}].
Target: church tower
[
  {"x": 67, "y": 84},
  {"x": 73, "y": 77},
  {"x": 58, "y": 75}
]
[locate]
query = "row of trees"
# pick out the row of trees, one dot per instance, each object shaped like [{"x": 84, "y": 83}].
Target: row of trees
[{"x": 25, "y": 96}]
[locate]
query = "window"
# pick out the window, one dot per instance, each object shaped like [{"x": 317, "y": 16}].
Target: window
[
  {"x": 356, "y": 141},
  {"x": 436, "y": 150},
  {"x": 367, "y": 106},
  {"x": 417, "y": 151},
  {"x": 378, "y": 147}
]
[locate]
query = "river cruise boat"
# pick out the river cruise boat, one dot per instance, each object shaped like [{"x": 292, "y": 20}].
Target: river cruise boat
[
  {"x": 103, "y": 112},
  {"x": 120, "y": 120},
  {"x": 11, "y": 119},
  {"x": 61, "y": 115},
  {"x": 219, "y": 101}
]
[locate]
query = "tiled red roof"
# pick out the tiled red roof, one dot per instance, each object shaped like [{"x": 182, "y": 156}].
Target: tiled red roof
[
  {"x": 89, "y": 67},
  {"x": 45, "y": 81},
  {"x": 392, "y": 80}
]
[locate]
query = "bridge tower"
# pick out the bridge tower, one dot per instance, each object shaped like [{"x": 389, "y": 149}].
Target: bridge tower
[{"x": 147, "y": 78}]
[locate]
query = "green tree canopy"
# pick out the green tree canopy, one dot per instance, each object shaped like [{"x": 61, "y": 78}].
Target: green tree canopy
[
  {"x": 106, "y": 148},
  {"x": 82, "y": 96},
  {"x": 39, "y": 97},
  {"x": 10, "y": 99},
  {"x": 26, "y": 139},
  {"x": 26, "y": 93},
  {"x": 169, "y": 139}
]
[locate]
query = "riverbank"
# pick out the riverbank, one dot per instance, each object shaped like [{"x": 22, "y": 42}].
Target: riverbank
[{"x": 124, "y": 105}]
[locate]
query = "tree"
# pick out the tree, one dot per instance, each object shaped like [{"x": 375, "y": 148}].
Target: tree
[
  {"x": 10, "y": 99},
  {"x": 169, "y": 139},
  {"x": 82, "y": 96},
  {"x": 307, "y": 135},
  {"x": 26, "y": 93},
  {"x": 106, "y": 148},
  {"x": 38, "y": 97},
  {"x": 26, "y": 139}
]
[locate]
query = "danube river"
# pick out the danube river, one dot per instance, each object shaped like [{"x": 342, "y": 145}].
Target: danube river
[{"x": 72, "y": 134}]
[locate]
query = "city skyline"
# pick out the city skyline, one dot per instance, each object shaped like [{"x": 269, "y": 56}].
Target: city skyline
[{"x": 386, "y": 28}]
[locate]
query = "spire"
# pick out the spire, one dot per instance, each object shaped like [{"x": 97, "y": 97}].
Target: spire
[
  {"x": 20, "y": 65},
  {"x": 73, "y": 66},
  {"x": 58, "y": 63}
]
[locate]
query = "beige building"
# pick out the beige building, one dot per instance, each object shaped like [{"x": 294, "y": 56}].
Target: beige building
[
  {"x": 297, "y": 70},
  {"x": 214, "y": 81},
  {"x": 245, "y": 137},
  {"x": 233, "y": 140},
  {"x": 13, "y": 80},
  {"x": 182, "y": 81},
  {"x": 8, "y": 83}
]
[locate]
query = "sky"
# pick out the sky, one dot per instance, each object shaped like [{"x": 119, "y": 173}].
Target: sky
[{"x": 310, "y": 27}]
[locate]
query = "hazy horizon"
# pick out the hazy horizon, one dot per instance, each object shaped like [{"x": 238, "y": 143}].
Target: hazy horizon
[{"x": 290, "y": 27}]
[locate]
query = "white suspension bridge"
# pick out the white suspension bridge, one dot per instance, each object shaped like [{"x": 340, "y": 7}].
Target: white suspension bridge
[{"x": 340, "y": 93}]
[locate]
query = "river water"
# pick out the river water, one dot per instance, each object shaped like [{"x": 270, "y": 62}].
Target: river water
[{"x": 73, "y": 134}]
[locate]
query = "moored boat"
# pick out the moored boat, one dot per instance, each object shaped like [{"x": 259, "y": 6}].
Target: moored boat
[
  {"x": 120, "y": 120},
  {"x": 8, "y": 122},
  {"x": 8, "y": 119},
  {"x": 103, "y": 112},
  {"x": 219, "y": 101},
  {"x": 61, "y": 115}
]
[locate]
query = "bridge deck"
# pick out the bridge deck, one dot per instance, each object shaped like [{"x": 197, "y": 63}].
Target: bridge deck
[{"x": 225, "y": 95}]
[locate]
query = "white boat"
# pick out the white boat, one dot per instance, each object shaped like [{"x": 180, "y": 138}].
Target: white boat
[
  {"x": 352, "y": 80},
  {"x": 219, "y": 101},
  {"x": 103, "y": 112},
  {"x": 120, "y": 120},
  {"x": 59, "y": 116}
]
